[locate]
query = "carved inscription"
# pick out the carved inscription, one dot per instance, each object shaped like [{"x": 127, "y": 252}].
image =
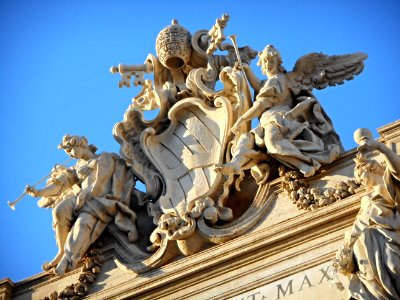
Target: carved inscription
[{"x": 316, "y": 283}]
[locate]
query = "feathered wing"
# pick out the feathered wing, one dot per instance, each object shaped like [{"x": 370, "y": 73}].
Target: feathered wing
[{"x": 318, "y": 70}]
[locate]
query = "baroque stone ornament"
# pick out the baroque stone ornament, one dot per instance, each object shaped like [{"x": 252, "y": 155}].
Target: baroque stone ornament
[
  {"x": 173, "y": 46},
  {"x": 370, "y": 255},
  {"x": 92, "y": 263},
  {"x": 175, "y": 154},
  {"x": 209, "y": 177},
  {"x": 188, "y": 157},
  {"x": 311, "y": 198}
]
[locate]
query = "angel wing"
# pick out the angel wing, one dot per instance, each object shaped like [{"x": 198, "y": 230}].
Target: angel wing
[{"x": 318, "y": 70}]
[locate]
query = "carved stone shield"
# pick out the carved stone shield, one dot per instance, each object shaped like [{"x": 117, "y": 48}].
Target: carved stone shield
[{"x": 187, "y": 151}]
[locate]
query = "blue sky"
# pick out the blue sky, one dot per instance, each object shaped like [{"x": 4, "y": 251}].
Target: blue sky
[{"x": 54, "y": 79}]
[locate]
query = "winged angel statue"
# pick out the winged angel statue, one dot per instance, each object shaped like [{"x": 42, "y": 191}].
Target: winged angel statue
[{"x": 293, "y": 127}]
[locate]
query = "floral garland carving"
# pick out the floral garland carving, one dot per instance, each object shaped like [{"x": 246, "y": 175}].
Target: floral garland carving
[
  {"x": 91, "y": 267},
  {"x": 307, "y": 198}
]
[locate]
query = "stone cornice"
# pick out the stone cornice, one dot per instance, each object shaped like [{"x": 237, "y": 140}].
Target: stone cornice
[
  {"x": 243, "y": 250},
  {"x": 6, "y": 289}
]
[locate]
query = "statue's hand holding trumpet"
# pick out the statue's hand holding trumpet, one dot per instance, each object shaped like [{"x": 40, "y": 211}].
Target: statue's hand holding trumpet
[{"x": 31, "y": 190}]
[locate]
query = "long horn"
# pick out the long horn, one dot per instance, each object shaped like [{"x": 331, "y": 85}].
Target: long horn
[
  {"x": 13, "y": 203},
  {"x": 233, "y": 39}
]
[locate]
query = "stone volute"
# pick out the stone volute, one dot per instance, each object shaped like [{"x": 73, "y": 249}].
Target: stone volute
[{"x": 173, "y": 46}]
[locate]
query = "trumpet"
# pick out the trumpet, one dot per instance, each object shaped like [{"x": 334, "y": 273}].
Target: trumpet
[
  {"x": 232, "y": 37},
  {"x": 13, "y": 203},
  {"x": 235, "y": 46}
]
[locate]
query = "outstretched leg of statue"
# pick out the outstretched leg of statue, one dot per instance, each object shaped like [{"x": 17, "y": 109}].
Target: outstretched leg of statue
[
  {"x": 260, "y": 173},
  {"x": 63, "y": 218},
  {"x": 61, "y": 237},
  {"x": 308, "y": 169},
  {"x": 234, "y": 166},
  {"x": 84, "y": 233},
  {"x": 244, "y": 156},
  {"x": 279, "y": 139}
]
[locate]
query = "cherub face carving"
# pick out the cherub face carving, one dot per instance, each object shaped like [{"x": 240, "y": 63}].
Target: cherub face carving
[{"x": 269, "y": 65}]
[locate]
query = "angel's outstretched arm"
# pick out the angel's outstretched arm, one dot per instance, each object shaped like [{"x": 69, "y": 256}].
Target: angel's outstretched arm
[
  {"x": 47, "y": 191},
  {"x": 54, "y": 187},
  {"x": 253, "y": 79},
  {"x": 255, "y": 111}
]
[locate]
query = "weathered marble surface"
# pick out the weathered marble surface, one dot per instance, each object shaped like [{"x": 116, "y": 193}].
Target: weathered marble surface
[
  {"x": 370, "y": 255},
  {"x": 219, "y": 219},
  {"x": 293, "y": 127},
  {"x": 85, "y": 198}
]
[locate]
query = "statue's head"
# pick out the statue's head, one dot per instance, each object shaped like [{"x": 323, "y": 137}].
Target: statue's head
[
  {"x": 368, "y": 171},
  {"x": 270, "y": 60},
  {"x": 57, "y": 171},
  {"x": 70, "y": 143},
  {"x": 174, "y": 46}
]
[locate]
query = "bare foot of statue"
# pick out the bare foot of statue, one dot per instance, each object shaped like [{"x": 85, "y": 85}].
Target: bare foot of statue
[
  {"x": 260, "y": 173},
  {"x": 61, "y": 267},
  {"x": 49, "y": 265},
  {"x": 228, "y": 169},
  {"x": 308, "y": 171}
]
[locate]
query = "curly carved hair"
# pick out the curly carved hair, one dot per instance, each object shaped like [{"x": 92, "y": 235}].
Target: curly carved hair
[
  {"x": 271, "y": 51},
  {"x": 70, "y": 141}
]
